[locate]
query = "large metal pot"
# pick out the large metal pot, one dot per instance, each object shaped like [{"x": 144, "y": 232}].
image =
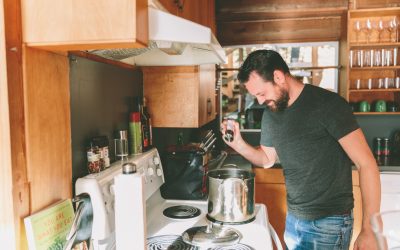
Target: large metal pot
[{"x": 231, "y": 196}]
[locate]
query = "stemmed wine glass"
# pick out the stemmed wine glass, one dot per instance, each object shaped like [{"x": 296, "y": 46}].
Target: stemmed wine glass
[
  {"x": 357, "y": 28},
  {"x": 393, "y": 23},
  {"x": 368, "y": 29},
  {"x": 381, "y": 28}
]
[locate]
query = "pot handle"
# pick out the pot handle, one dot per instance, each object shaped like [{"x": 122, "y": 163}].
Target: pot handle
[{"x": 230, "y": 165}]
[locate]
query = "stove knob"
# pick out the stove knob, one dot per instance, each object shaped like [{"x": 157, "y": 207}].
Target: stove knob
[
  {"x": 156, "y": 160},
  {"x": 159, "y": 172},
  {"x": 112, "y": 189},
  {"x": 150, "y": 171}
]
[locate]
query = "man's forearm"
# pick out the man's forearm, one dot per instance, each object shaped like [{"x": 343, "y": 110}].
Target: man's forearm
[
  {"x": 370, "y": 192},
  {"x": 255, "y": 155}
]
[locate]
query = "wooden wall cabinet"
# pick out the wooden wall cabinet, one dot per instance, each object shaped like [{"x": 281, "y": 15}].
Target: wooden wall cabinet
[
  {"x": 199, "y": 11},
  {"x": 271, "y": 191},
  {"x": 180, "y": 96},
  {"x": 77, "y": 25},
  {"x": 371, "y": 73}
]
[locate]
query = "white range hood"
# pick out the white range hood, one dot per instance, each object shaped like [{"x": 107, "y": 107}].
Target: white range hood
[{"x": 173, "y": 41}]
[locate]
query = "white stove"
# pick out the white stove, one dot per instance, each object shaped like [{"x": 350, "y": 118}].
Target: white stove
[{"x": 160, "y": 231}]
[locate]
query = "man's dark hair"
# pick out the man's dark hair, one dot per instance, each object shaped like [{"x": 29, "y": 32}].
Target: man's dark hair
[{"x": 264, "y": 63}]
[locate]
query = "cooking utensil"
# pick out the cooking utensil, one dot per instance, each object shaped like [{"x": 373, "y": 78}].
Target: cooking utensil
[
  {"x": 209, "y": 145},
  {"x": 202, "y": 145},
  {"x": 211, "y": 236},
  {"x": 231, "y": 196},
  {"x": 204, "y": 141}
]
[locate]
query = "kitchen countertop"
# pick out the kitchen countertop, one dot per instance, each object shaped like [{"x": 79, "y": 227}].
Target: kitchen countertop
[{"x": 385, "y": 164}]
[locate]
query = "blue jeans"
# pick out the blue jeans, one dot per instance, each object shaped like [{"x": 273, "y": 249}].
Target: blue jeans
[{"x": 328, "y": 233}]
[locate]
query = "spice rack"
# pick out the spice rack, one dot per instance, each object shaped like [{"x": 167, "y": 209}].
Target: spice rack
[{"x": 373, "y": 64}]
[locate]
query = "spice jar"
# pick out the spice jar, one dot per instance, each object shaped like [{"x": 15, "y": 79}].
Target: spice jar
[
  {"x": 93, "y": 156},
  {"x": 101, "y": 142}
]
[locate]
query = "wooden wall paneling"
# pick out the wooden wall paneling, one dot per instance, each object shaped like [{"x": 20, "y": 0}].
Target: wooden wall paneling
[
  {"x": 20, "y": 184},
  {"x": 370, "y": 4},
  {"x": 239, "y": 6},
  {"x": 48, "y": 133},
  {"x": 279, "y": 30},
  {"x": 7, "y": 227},
  {"x": 73, "y": 25}
]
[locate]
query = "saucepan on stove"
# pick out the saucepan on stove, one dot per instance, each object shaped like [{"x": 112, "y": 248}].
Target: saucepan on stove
[{"x": 231, "y": 195}]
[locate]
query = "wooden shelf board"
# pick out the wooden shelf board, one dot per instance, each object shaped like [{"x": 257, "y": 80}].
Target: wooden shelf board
[
  {"x": 374, "y": 45},
  {"x": 375, "y": 68},
  {"x": 376, "y": 113},
  {"x": 373, "y": 90}
]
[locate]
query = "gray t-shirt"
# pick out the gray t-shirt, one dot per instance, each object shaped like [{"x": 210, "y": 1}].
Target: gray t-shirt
[{"x": 317, "y": 170}]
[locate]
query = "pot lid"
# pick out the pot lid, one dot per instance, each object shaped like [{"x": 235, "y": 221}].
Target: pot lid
[{"x": 211, "y": 236}]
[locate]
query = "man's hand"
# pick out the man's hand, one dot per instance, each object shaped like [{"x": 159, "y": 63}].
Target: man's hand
[
  {"x": 365, "y": 241},
  {"x": 237, "y": 137}
]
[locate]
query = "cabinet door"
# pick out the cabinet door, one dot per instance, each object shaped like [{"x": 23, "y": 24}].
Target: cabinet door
[
  {"x": 206, "y": 94},
  {"x": 172, "y": 94},
  {"x": 273, "y": 195},
  {"x": 76, "y": 25},
  {"x": 199, "y": 11}
]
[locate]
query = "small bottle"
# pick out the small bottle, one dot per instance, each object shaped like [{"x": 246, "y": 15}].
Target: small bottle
[
  {"x": 146, "y": 126},
  {"x": 93, "y": 157},
  {"x": 135, "y": 133},
  {"x": 378, "y": 146},
  {"x": 386, "y": 147},
  {"x": 229, "y": 130}
]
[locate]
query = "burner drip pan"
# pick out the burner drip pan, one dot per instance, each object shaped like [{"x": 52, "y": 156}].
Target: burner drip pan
[
  {"x": 181, "y": 212},
  {"x": 166, "y": 242}
]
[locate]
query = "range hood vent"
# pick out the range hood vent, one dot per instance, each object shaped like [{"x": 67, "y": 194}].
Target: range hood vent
[{"x": 172, "y": 41}]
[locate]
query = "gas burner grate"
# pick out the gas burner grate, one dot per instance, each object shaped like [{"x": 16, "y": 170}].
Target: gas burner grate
[
  {"x": 181, "y": 212},
  {"x": 175, "y": 242}
]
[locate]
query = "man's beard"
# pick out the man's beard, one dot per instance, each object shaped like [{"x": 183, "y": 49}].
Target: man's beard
[{"x": 281, "y": 103}]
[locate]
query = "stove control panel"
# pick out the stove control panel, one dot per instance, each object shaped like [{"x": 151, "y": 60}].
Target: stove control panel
[{"x": 100, "y": 187}]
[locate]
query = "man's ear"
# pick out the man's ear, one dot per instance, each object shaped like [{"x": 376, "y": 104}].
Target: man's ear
[{"x": 279, "y": 77}]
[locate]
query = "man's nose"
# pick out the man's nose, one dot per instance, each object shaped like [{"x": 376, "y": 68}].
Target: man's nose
[{"x": 260, "y": 100}]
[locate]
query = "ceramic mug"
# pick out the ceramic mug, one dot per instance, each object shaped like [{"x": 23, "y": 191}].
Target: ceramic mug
[
  {"x": 392, "y": 107},
  {"x": 380, "y": 106},
  {"x": 364, "y": 106}
]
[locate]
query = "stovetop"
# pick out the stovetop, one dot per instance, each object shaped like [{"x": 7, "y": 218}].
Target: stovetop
[{"x": 255, "y": 235}]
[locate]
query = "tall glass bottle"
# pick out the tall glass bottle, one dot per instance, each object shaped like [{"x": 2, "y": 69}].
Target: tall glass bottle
[{"x": 146, "y": 126}]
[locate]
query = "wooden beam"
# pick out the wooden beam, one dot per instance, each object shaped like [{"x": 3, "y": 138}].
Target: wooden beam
[
  {"x": 283, "y": 30},
  {"x": 370, "y": 4},
  {"x": 20, "y": 191},
  {"x": 7, "y": 227},
  {"x": 239, "y": 6}
]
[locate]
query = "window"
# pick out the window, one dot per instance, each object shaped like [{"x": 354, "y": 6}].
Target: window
[{"x": 311, "y": 63}]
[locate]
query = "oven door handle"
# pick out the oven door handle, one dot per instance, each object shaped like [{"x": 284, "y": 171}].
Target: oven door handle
[{"x": 275, "y": 237}]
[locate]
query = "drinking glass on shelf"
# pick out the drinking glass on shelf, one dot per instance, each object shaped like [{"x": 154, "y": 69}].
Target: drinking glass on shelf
[
  {"x": 393, "y": 23},
  {"x": 377, "y": 58},
  {"x": 368, "y": 29},
  {"x": 121, "y": 148},
  {"x": 389, "y": 57},
  {"x": 357, "y": 28},
  {"x": 367, "y": 58},
  {"x": 381, "y": 28}
]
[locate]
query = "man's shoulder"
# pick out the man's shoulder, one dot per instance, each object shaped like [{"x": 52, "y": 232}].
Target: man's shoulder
[{"x": 323, "y": 95}]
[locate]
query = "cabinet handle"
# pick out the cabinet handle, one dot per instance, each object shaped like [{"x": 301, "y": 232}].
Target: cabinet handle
[{"x": 209, "y": 106}]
